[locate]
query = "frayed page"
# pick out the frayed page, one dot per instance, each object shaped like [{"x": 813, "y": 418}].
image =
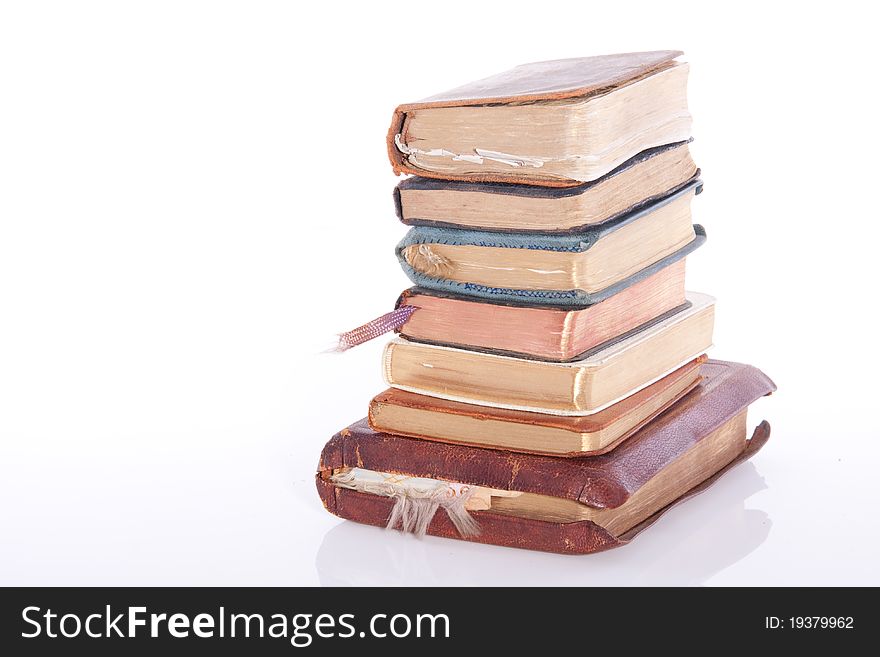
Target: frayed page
[{"x": 416, "y": 499}]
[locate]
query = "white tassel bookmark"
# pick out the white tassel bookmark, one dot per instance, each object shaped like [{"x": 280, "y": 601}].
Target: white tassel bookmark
[{"x": 416, "y": 500}]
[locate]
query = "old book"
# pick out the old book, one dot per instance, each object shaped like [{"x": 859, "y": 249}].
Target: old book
[
  {"x": 646, "y": 177},
  {"x": 555, "y": 123},
  {"x": 570, "y": 506},
  {"x": 576, "y": 268},
  {"x": 555, "y": 333},
  {"x": 419, "y": 416},
  {"x": 579, "y": 387}
]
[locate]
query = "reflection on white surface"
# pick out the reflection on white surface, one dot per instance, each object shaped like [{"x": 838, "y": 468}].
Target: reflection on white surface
[{"x": 687, "y": 546}]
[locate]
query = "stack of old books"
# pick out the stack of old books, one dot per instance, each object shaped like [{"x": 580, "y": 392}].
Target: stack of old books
[{"x": 549, "y": 385}]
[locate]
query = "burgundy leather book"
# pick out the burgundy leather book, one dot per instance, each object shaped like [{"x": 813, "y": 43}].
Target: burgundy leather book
[{"x": 572, "y": 506}]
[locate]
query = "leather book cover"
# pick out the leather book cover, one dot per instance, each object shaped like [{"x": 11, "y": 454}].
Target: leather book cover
[
  {"x": 605, "y": 481},
  {"x": 550, "y": 80}
]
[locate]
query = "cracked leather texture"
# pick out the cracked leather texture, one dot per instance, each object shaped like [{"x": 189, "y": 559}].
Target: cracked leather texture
[{"x": 605, "y": 481}]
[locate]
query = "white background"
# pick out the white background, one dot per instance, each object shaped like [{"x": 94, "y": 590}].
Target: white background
[{"x": 195, "y": 198}]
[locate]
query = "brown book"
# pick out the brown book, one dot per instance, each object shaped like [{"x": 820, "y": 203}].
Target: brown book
[
  {"x": 555, "y": 123},
  {"x": 419, "y": 416},
  {"x": 571, "y": 506},
  {"x": 580, "y": 387},
  {"x": 543, "y": 332}
]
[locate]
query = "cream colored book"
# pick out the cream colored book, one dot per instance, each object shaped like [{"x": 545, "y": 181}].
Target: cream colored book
[
  {"x": 429, "y": 418},
  {"x": 646, "y": 177},
  {"x": 580, "y": 387},
  {"x": 550, "y": 123}
]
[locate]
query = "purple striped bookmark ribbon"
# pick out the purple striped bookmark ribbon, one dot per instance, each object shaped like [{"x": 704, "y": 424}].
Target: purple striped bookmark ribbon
[{"x": 373, "y": 329}]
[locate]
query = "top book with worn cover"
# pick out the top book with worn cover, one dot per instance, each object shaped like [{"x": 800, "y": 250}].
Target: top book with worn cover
[{"x": 556, "y": 124}]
